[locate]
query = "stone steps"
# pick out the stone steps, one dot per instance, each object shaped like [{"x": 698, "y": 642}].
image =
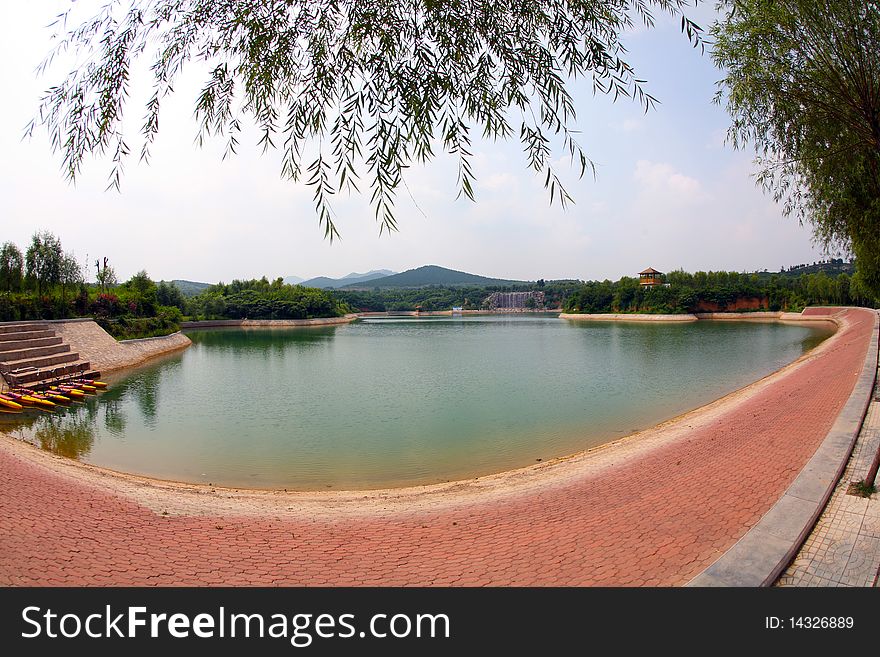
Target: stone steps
[
  {"x": 41, "y": 374},
  {"x": 42, "y": 361},
  {"x": 32, "y": 355},
  {"x": 14, "y": 345},
  {"x": 34, "y": 351},
  {"x": 46, "y": 383},
  {"x": 26, "y": 335},
  {"x": 16, "y": 327}
]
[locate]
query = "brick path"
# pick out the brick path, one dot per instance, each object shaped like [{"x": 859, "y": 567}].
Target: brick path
[{"x": 657, "y": 517}]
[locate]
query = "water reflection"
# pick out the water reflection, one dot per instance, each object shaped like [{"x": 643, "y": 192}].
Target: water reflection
[
  {"x": 67, "y": 431},
  {"x": 262, "y": 341},
  {"x": 114, "y": 417},
  {"x": 71, "y": 434},
  {"x": 146, "y": 392},
  {"x": 71, "y": 431}
]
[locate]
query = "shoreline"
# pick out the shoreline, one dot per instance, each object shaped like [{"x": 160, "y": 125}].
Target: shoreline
[
  {"x": 268, "y": 323},
  {"x": 750, "y": 316},
  {"x": 517, "y": 480}
]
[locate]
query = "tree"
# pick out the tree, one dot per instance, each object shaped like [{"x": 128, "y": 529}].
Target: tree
[
  {"x": 141, "y": 291},
  {"x": 106, "y": 276},
  {"x": 168, "y": 294},
  {"x": 352, "y": 88},
  {"x": 71, "y": 274},
  {"x": 801, "y": 84},
  {"x": 43, "y": 260},
  {"x": 11, "y": 267}
]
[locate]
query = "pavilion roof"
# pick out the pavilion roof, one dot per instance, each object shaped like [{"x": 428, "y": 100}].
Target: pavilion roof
[{"x": 650, "y": 270}]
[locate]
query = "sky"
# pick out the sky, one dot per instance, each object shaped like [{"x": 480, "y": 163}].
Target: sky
[{"x": 669, "y": 192}]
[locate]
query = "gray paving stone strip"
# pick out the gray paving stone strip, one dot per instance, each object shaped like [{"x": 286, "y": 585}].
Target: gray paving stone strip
[
  {"x": 844, "y": 547},
  {"x": 761, "y": 556}
]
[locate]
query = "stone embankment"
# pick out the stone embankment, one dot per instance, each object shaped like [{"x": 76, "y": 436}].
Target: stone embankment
[
  {"x": 824, "y": 315},
  {"x": 105, "y": 353},
  {"x": 269, "y": 323},
  {"x": 629, "y": 317}
]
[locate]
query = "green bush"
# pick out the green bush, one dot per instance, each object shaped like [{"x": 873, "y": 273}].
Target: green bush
[
  {"x": 130, "y": 328},
  {"x": 16, "y": 307}
]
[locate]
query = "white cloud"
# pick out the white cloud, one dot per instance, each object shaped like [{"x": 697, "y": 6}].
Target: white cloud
[
  {"x": 628, "y": 126},
  {"x": 498, "y": 182},
  {"x": 660, "y": 181}
]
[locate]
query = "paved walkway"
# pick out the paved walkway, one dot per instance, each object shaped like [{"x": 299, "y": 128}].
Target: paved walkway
[
  {"x": 652, "y": 510},
  {"x": 844, "y": 547}
]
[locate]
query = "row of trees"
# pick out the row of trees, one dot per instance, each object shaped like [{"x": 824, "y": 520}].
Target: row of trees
[
  {"x": 262, "y": 299},
  {"x": 687, "y": 292},
  {"x": 44, "y": 265},
  {"x": 46, "y": 282},
  {"x": 440, "y": 297}
]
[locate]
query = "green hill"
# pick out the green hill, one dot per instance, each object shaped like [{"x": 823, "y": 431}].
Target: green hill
[
  {"x": 190, "y": 288},
  {"x": 430, "y": 275},
  {"x": 831, "y": 267}
]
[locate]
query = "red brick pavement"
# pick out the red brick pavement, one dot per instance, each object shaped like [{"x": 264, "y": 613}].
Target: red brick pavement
[{"x": 656, "y": 519}]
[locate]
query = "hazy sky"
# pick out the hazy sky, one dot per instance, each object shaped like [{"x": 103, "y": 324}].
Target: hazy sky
[{"x": 669, "y": 193}]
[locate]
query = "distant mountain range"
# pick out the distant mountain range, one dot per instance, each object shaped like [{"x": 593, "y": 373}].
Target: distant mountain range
[
  {"x": 382, "y": 278},
  {"x": 428, "y": 275},
  {"x": 353, "y": 278},
  {"x": 435, "y": 275}
]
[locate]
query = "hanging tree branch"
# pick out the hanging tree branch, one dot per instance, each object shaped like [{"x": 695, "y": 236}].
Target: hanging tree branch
[{"x": 374, "y": 82}]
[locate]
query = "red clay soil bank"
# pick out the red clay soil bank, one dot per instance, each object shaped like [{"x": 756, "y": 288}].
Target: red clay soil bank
[{"x": 657, "y": 517}]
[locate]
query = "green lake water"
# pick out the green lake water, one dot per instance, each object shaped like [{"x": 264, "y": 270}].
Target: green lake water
[{"x": 392, "y": 402}]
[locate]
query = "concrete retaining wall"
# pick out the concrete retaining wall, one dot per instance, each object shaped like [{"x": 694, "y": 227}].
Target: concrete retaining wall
[
  {"x": 692, "y": 317},
  {"x": 762, "y": 315},
  {"x": 629, "y": 317}
]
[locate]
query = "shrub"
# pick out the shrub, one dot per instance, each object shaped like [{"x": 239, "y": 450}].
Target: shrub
[
  {"x": 106, "y": 305},
  {"x": 130, "y": 328}
]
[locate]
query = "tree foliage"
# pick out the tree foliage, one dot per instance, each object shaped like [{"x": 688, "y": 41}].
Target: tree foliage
[
  {"x": 70, "y": 275},
  {"x": 11, "y": 267},
  {"x": 802, "y": 84},
  {"x": 168, "y": 294},
  {"x": 261, "y": 299},
  {"x": 353, "y": 88},
  {"x": 43, "y": 260},
  {"x": 718, "y": 291},
  {"x": 444, "y": 297},
  {"x": 106, "y": 275},
  {"x": 141, "y": 294}
]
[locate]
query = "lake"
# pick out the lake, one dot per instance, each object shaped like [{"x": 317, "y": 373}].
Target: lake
[{"x": 402, "y": 401}]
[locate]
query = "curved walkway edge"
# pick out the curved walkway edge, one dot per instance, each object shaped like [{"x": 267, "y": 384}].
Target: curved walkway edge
[{"x": 763, "y": 553}]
